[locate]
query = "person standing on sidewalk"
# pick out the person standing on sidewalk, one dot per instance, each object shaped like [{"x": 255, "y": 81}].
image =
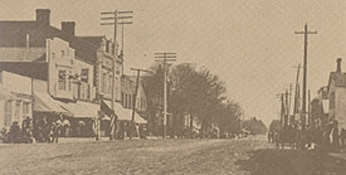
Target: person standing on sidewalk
[{"x": 56, "y": 130}]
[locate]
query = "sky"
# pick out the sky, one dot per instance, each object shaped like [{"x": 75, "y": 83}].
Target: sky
[{"x": 250, "y": 44}]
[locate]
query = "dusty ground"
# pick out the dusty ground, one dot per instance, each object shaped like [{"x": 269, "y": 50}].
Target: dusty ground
[{"x": 248, "y": 156}]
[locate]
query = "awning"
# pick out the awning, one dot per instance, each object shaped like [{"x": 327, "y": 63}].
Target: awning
[
  {"x": 125, "y": 114},
  {"x": 43, "y": 102},
  {"x": 82, "y": 109},
  {"x": 4, "y": 93}
]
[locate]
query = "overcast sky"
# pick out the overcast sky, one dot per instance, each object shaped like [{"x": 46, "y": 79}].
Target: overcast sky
[{"x": 250, "y": 44}]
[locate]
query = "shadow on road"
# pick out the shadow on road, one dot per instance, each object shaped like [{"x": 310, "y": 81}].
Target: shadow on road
[{"x": 288, "y": 162}]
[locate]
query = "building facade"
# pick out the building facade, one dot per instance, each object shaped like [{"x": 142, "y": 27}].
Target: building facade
[
  {"x": 16, "y": 100},
  {"x": 337, "y": 95}
]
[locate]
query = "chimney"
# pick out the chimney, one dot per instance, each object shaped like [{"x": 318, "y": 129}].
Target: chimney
[
  {"x": 68, "y": 27},
  {"x": 338, "y": 68},
  {"x": 42, "y": 16}
]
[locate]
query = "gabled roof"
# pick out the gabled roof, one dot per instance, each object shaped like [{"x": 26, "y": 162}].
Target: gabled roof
[
  {"x": 338, "y": 78},
  {"x": 13, "y": 34}
]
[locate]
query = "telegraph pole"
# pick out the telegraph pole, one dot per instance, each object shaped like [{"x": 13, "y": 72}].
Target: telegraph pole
[
  {"x": 111, "y": 18},
  {"x": 296, "y": 95},
  {"x": 306, "y": 32},
  {"x": 165, "y": 57},
  {"x": 309, "y": 109},
  {"x": 135, "y": 98}
]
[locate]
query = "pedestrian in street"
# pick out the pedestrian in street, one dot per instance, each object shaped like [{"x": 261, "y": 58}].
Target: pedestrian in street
[
  {"x": 269, "y": 137},
  {"x": 335, "y": 138},
  {"x": 4, "y": 135},
  {"x": 56, "y": 127},
  {"x": 46, "y": 129}
]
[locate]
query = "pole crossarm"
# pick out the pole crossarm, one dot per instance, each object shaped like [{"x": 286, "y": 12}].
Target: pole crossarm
[
  {"x": 107, "y": 13},
  {"x": 137, "y": 69},
  {"x": 107, "y": 18},
  {"x": 111, "y": 23},
  {"x": 124, "y": 11},
  {"x": 303, "y": 32},
  {"x": 125, "y": 17},
  {"x": 122, "y": 23}
]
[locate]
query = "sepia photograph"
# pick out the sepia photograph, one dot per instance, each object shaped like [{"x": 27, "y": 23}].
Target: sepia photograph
[{"x": 188, "y": 87}]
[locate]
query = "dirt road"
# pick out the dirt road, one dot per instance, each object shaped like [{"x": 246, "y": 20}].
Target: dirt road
[{"x": 247, "y": 156}]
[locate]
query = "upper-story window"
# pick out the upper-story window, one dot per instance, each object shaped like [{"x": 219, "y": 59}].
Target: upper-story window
[
  {"x": 85, "y": 75},
  {"x": 26, "y": 109},
  {"x": 62, "y": 80},
  {"x": 104, "y": 82},
  {"x": 110, "y": 83}
]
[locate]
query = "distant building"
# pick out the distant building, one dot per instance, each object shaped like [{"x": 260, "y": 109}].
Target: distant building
[
  {"x": 337, "y": 95},
  {"x": 128, "y": 90},
  {"x": 320, "y": 108}
]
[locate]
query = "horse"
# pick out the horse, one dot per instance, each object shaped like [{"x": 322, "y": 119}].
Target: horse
[{"x": 288, "y": 135}]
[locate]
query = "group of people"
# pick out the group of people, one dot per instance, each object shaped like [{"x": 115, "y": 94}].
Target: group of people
[
  {"x": 17, "y": 134},
  {"x": 327, "y": 138},
  {"x": 43, "y": 131},
  {"x": 46, "y": 131}
]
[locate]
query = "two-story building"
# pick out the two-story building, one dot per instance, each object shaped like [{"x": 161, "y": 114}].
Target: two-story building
[
  {"x": 128, "y": 91},
  {"x": 78, "y": 70},
  {"x": 337, "y": 95},
  {"x": 63, "y": 62}
]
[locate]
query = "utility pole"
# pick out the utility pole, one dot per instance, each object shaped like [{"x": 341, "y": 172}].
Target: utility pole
[
  {"x": 287, "y": 109},
  {"x": 296, "y": 95},
  {"x": 165, "y": 57},
  {"x": 111, "y": 18},
  {"x": 135, "y": 98},
  {"x": 306, "y": 32},
  {"x": 290, "y": 99},
  {"x": 282, "y": 113},
  {"x": 309, "y": 109}
]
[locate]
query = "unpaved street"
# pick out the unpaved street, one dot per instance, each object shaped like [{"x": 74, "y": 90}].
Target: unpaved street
[{"x": 246, "y": 156}]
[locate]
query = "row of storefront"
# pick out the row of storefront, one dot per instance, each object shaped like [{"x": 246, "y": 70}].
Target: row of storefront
[
  {"x": 80, "y": 118},
  {"x": 49, "y": 74}
]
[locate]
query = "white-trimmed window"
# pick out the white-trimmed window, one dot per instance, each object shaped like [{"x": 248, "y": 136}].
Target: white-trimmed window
[
  {"x": 62, "y": 80},
  {"x": 8, "y": 113},
  {"x": 85, "y": 75}
]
